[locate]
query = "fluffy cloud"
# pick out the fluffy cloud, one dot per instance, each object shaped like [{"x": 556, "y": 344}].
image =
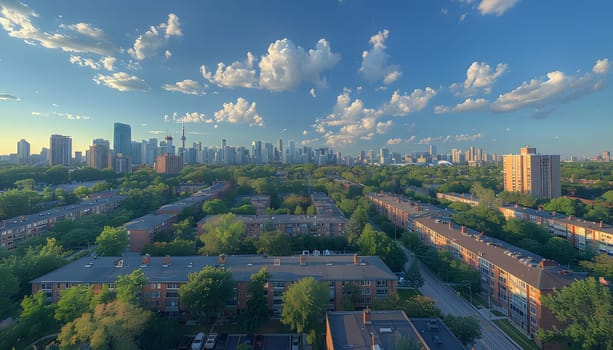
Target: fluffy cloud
[
  {"x": 352, "y": 120},
  {"x": 189, "y": 87},
  {"x": 556, "y": 88},
  {"x": 122, "y": 81},
  {"x": 479, "y": 79},
  {"x": 193, "y": 117},
  {"x": 497, "y": 7},
  {"x": 286, "y": 65},
  {"x": 395, "y": 141},
  {"x": 151, "y": 41},
  {"x": 84, "y": 62},
  {"x": 240, "y": 112},
  {"x": 8, "y": 97},
  {"x": 468, "y": 105},
  {"x": 602, "y": 66},
  {"x": 108, "y": 63},
  {"x": 312, "y": 92},
  {"x": 465, "y": 138},
  {"x": 16, "y": 20},
  {"x": 375, "y": 66},
  {"x": 401, "y": 105},
  {"x": 237, "y": 74}
]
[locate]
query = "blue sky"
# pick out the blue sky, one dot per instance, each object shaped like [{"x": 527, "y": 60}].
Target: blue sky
[{"x": 350, "y": 75}]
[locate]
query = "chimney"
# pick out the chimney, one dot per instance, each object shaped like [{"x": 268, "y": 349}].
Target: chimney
[
  {"x": 601, "y": 224},
  {"x": 463, "y": 229},
  {"x": 302, "y": 259},
  {"x": 450, "y": 227},
  {"x": 417, "y": 207},
  {"x": 372, "y": 341},
  {"x": 146, "y": 259},
  {"x": 355, "y": 259},
  {"x": 540, "y": 208},
  {"x": 367, "y": 317},
  {"x": 221, "y": 259},
  {"x": 167, "y": 260},
  {"x": 570, "y": 217},
  {"x": 545, "y": 263},
  {"x": 553, "y": 213}
]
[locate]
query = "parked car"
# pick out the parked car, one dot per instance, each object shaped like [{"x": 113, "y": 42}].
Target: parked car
[
  {"x": 198, "y": 341},
  {"x": 210, "y": 341},
  {"x": 295, "y": 341},
  {"x": 185, "y": 342},
  {"x": 259, "y": 342}
]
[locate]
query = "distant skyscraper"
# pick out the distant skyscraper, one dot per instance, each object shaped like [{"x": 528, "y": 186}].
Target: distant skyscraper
[
  {"x": 122, "y": 139},
  {"x": 532, "y": 173},
  {"x": 606, "y": 156},
  {"x": 137, "y": 152},
  {"x": 168, "y": 164},
  {"x": 23, "y": 152},
  {"x": 99, "y": 154},
  {"x": 384, "y": 156},
  {"x": 60, "y": 150}
]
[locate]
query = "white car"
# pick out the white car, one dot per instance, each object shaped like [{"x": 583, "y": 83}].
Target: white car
[
  {"x": 210, "y": 341},
  {"x": 295, "y": 342},
  {"x": 197, "y": 342}
]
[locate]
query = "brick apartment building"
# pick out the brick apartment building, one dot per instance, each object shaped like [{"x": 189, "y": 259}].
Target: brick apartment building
[
  {"x": 512, "y": 279},
  {"x": 165, "y": 275}
]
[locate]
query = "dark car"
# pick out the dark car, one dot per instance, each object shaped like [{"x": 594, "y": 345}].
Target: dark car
[
  {"x": 185, "y": 342},
  {"x": 259, "y": 342}
]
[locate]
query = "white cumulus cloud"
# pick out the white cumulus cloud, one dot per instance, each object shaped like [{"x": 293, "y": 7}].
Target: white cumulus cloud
[
  {"x": 84, "y": 62},
  {"x": 108, "y": 63},
  {"x": 237, "y": 74},
  {"x": 497, "y": 7},
  {"x": 240, "y": 112},
  {"x": 193, "y": 117},
  {"x": 148, "y": 44},
  {"x": 545, "y": 94},
  {"x": 122, "y": 81},
  {"x": 394, "y": 141},
  {"x": 375, "y": 66},
  {"x": 468, "y": 105},
  {"x": 401, "y": 105},
  {"x": 479, "y": 79},
  {"x": 287, "y": 65},
  {"x": 189, "y": 87}
]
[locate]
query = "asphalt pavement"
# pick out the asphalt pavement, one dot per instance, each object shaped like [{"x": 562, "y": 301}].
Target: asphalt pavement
[{"x": 449, "y": 302}]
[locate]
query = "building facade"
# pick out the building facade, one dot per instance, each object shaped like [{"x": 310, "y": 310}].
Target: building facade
[
  {"x": 23, "y": 152},
  {"x": 60, "y": 150},
  {"x": 532, "y": 173},
  {"x": 512, "y": 279},
  {"x": 168, "y": 164},
  {"x": 165, "y": 275}
]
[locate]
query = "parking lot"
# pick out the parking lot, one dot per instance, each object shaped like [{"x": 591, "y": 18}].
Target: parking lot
[{"x": 270, "y": 342}]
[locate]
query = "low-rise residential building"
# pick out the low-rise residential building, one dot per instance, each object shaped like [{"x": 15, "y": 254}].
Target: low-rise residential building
[
  {"x": 369, "y": 329},
  {"x": 583, "y": 234},
  {"x": 142, "y": 230},
  {"x": 367, "y": 274},
  {"x": 513, "y": 279},
  {"x": 466, "y": 198},
  {"x": 23, "y": 227}
]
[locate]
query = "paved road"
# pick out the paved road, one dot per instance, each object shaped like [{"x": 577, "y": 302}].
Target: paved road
[{"x": 449, "y": 302}]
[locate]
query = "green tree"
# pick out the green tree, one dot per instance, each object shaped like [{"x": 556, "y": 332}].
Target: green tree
[
  {"x": 274, "y": 243},
  {"x": 377, "y": 243},
  {"x": 467, "y": 328},
  {"x": 36, "y": 315},
  {"x": 207, "y": 291},
  {"x": 222, "y": 234},
  {"x": 600, "y": 266},
  {"x": 112, "y": 241},
  {"x": 304, "y": 304},
  {"x": 413, "y": 276},
  {"x": 585, "y": 311},
  {"x": 214, "y": 207},
  {"x": 115, "y": 325},
  {"x": 129, "y": 288},
  {"x": 420, "y": 306},
  {"x": 26, "y": 184},
  {"x": 73, "y": 302},
  {"x": 560, "y": 250},
  {"x": 257, "y": 305},
  {"x": 564, "y": 205},
  {"x": 355, "y": 225},
  {"x": 182, "y": 227}
]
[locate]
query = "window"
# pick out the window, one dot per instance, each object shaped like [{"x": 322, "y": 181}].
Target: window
[{"x": 172, "y": 286}]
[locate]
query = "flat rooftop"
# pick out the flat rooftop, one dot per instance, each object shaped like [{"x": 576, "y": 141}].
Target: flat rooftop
[{"x": 286, "y": 268}]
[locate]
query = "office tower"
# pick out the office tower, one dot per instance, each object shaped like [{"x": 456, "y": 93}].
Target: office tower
[
  {"x": 432, "y": 150},
  {"x": 150, "y": 150},
  {"x": 479, "y": 154},
  {"x": 23, "y": 152},
  {"x": 268, "y": 153},
  {"x": 385, "y": 156},
  {"x": 137, "y": 152},
  {"x": 256, "y": 152},
  {"x": 167, "y": 147},
  {"x": 122, "y": 139},
  {"x": 606, "y": 156},
  {"x": 279, "y": 150},
  {"x": 60, "y": 150},
  {"x": 99, "y": 154},
  {"x": 532, "y": 173},
  {"x": 78, "y": 157}
]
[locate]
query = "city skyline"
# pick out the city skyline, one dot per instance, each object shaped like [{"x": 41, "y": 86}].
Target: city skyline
[{"x": 350, "y": 75}]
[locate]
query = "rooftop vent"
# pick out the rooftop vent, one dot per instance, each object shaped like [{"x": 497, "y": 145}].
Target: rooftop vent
[
  {"x": 167, "y": 261},
  {"x": 118, "y": 263}
]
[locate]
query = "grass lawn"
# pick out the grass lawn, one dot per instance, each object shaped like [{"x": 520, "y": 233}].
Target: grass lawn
[{"x": 516, "y": 335}]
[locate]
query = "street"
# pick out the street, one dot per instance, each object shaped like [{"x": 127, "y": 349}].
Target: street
[{"x": 449, "y": 302}]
